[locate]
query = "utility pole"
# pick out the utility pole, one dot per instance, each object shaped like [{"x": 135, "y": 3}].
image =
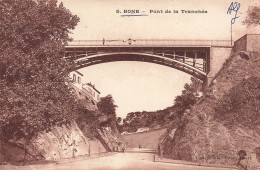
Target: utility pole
[{"x": 231, "y": 33}]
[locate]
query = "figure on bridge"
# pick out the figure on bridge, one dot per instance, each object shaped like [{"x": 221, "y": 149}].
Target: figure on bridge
[{"x": 129, "y": 41}]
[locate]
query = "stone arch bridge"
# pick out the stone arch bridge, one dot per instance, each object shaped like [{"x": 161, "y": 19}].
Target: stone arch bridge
[{"x": 199, "y": 58}]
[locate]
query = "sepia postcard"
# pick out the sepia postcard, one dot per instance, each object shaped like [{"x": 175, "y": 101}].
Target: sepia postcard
[{"x": 132, "y": 85}]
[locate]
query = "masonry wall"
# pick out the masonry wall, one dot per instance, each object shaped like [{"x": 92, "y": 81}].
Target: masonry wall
[
  {"x": 218, "y": 56},
  {"x": 240, "y": 44},
  {"x": 253, "y": 42},
  {"x": 249, "y": 42},
  {"x": 148, "y": 139},
  {"x": 88, "y": 102}
]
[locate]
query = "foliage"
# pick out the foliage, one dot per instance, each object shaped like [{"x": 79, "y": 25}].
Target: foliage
[
  {"x": 136, "y": 120},
  {"x": 190, "y": 95},
  {"x": 253, "y": 16},
  {"x": 241, "y": 104},
  {"x": 107, "y": 107},
  {"x": 118, "y": 120},
  {"x": 34, "y": 95}
]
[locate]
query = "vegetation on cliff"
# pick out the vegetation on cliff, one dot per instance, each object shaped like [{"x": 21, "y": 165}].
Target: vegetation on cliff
[
  {"x": 35, "y": 95},
  {"x": 160, "y": 118},
  {"x": 253, "y": 16},
  {"x": 33, "y": 73},
  {"x": 225, "y": 120}
]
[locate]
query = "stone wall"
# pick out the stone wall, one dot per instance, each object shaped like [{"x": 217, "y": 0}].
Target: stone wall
[
  {"x": 253, "y": 42},
  {"x": 218, "y": 56},
  {"x": 249, "y": 42},
  {"x": 88, "y": 102},
  {"x": 240, "y": 44},
  {"x": 148, "y": 139}
]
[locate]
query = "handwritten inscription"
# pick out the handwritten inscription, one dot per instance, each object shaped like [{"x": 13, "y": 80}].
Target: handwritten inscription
[{"x": 234, "y": 6}]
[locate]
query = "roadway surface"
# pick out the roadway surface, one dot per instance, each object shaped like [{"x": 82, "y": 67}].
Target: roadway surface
[{"x": 128, "y": 160}]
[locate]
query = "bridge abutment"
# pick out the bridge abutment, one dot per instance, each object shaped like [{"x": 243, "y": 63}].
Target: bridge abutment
[{"x": 218, "y": 56}]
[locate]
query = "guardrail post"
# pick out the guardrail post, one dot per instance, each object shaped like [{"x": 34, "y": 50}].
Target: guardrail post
[
  {"x": 195, "y": 58},
  {"x": 184, "y": 58}
]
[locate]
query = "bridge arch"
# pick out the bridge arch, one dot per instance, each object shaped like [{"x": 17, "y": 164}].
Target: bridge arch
[{"x": 174, "y": 60}]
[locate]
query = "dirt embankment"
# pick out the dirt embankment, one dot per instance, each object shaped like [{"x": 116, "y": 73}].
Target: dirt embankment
[{"x": 226, "y": 120}]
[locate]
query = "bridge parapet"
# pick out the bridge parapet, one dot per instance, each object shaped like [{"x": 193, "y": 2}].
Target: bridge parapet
[{"x": 151, "y": 42}]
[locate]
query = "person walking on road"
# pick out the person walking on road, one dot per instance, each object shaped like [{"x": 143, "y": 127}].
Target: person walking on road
[{"x": 242, "y": 161}]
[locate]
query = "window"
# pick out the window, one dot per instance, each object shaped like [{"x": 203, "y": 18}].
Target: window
[
  {"x": 74, "y": 77},
  {"x": 79, "y": 80}
]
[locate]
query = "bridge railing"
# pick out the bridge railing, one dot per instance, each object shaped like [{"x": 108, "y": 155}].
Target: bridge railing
[{"x": 150, "y": 42}]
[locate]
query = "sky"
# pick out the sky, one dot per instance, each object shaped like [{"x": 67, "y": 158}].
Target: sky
[{"x": 138, "y": 86}]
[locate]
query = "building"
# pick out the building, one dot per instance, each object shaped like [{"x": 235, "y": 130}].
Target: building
[
  {"x": 91, "y": 91},
  {"x": 145, "y": 129},
  {"x": 76, "y": 78},
  {"x": 85, "y": 91},
  {"x": 125, "y": 133}
]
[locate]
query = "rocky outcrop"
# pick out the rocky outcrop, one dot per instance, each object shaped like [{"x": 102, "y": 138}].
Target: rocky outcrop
[
  {"x": 59, "y": 143},
  {"x": 111, "y": 141},
  {"x": 62, "y": 143},
  {"x": 226, "y": 119},
  {"x": 65, "y": 142}
]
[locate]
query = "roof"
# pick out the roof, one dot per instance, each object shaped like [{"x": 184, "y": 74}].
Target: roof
[
  {"x": 79, "y": 73},
  {"x": 91, "y": 85}
]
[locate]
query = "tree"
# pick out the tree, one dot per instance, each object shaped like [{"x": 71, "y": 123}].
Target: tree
[
  {"x": 106, "y": 106},
  {"x": 253, "y": 16},
  {"x": 118, "y": 120},
  {"x": 33, "y": 74},
  {"x": 189, "y": 96}
]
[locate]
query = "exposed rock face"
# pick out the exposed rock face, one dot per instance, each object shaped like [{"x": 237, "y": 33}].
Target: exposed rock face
[
  {"x": 59, "y": 143},
  {"x": 110, "y": 140},
  {"x": 65, "y": 142},
  {"x": 225, "y": 121}
]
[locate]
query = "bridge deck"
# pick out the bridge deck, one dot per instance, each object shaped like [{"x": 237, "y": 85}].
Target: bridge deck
[{"x": 149, "y": 43}]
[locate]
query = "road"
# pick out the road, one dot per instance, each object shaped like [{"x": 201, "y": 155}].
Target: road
[{"x": 124, "y": 161}]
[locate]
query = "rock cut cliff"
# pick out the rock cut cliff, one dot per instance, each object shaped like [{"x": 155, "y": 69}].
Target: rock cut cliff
[{"x": 226, "y": 119}]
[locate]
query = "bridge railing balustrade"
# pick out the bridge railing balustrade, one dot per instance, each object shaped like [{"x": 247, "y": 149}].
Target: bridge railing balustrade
[{"x": 149, "y": 42}]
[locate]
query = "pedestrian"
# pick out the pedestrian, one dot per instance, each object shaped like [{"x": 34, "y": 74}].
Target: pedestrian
[
  {"x": 103, "y": 41},
  {"x": 257, "y": 152},
  {"x": 123, "y": 149},
  {"x": 129, "y": 41},
  {"x": 242, "y": 161}
]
